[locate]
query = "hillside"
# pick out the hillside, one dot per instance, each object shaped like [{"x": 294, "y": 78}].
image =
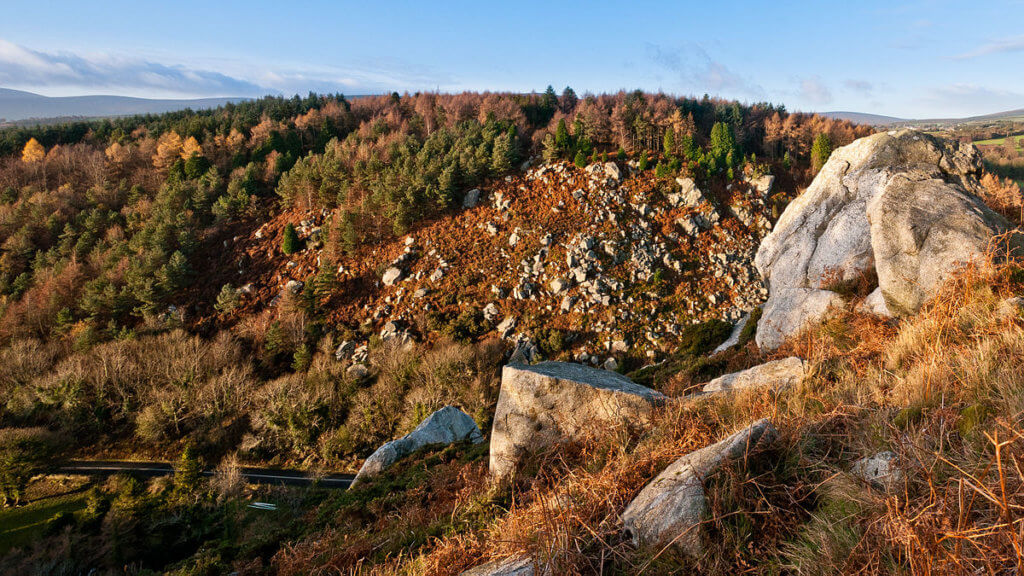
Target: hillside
[
  {"x": 509, "y": 313},
  {"x": 17, "y": 105}
]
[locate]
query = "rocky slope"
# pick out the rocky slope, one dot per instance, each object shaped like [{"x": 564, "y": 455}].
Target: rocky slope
[{"x": 614, "y": 259}]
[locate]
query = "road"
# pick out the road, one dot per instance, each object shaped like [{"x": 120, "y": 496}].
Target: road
[{"x": 153, "y": 469}]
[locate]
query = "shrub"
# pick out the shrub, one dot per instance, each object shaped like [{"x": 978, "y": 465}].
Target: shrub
[
  {"x": 290, "y": 242},
  {"x": 24, "y": 452}
]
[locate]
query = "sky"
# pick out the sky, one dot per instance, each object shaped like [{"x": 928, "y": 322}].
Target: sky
[{"x": 917, "y": 59}]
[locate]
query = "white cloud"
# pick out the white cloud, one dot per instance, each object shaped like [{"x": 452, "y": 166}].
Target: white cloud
[
  {"x": 860, "y": 86},
  {"x": 957, "y": 100},
  {"x": 1001, "y": 46},
  {"x": 814, "y": 91},
  {"x": 62, "y": 73},
  {"x": 697, "y": 71}
]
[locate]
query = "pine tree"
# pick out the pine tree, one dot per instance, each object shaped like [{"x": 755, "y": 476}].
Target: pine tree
[
  {"x": 227, "y": 300},
  {"x": 562, "y": 140},
  {"x": 568, "y": 100},
  {"x": 820, "y": 152},
  {"x": 723, "y": 142},
  {"x": 503, "y": 155},
  {"x": 188, "y": 471},
  {"x": 581, "y": 159},
  {"x": 642, "y": 164},
  {"x": 669, "y": 143},
  {"x": 290, "y": 243},
  {"x": 175, "y": 274}
]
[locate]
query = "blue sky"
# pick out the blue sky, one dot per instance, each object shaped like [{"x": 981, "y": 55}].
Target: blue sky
[{"x": 925, "y": 58}]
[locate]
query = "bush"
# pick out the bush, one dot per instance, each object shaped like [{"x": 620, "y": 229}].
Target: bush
[
  {"x": 24, "y": 452},
  {"x": 290, "y": 242}
]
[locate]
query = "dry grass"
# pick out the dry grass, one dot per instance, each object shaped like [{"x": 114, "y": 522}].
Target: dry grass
[{"x": 944, "y": 390}]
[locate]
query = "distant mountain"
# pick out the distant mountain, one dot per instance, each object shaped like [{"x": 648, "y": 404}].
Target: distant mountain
[
  {"x": 863, "y": 118},
  {"x": 17, "y": 105},
  {"x": 878, "y": 120}
]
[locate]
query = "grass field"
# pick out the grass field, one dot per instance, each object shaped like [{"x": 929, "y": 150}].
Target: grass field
[
  {"x": 999, "y": 141},
  {"x": 21, "y": 526}
]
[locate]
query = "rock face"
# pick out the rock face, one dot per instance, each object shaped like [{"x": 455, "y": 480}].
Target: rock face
[
  {"x": 672, "y": 507},
  {"x": 552, "y": 402},
  {"x": 446, "y": 426},
  {"x": 903, "y": 204},
  {"x": 518, "y": 566},
  {"x": 777, "y": 374}
]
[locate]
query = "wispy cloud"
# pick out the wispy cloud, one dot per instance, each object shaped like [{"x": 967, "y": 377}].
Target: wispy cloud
[
  {"x": 969, "y": 99},
  {"x": 1001, "y": 46},
  {"x": 63, "y": 72},
  {"x": 860, "y": 86},
  {"x": 696, "y": 70},
  {"x": 814, "y": 91}
]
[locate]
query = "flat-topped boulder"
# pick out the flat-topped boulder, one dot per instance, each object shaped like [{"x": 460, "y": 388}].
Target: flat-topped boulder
[
  {"x": 903, "y": 205},
  {"x": 446, "y": 426},
  {"x": 671, "y": 508},
  {"x": 545, "y": 404},
  {"x": 776, "y": 374}
]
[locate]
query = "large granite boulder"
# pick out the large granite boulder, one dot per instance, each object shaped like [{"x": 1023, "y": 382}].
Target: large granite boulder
[
  {"x": 672, "y": 507},
  {"x": 903, "y": 204},
  {"x": 446, "y": 426},
  {"x": 545, "y": 404}
]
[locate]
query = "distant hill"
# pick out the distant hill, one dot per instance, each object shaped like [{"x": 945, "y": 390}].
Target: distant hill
[
  {"x": 879, "y": 120},
  {"x": 16, "y": 105},
  {"x": 864, "y": 118}
]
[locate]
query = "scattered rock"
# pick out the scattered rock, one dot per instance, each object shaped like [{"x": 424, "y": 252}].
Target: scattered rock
[
  {"x": 1010, "y": 307},
  {"x": 516, "y": 566},
  {"x": 472, "y": 198},
  {"x": 446, "y": 426},
  {"x": 392, "y": 275},
  {"x": 875, "y": 304},
  {"x": 357, "y": 371},
  {"x": 507, "y": 326},
  {"x": 345, "y": 350},
  {"x": 734, "y": 336},
  {"x": 672, "y": 507},
  {"x": 777, "y": 374},
  {"x": 879, "y": 470},
  {"x": 294, "y": 286},
  {"x": 553, "y": 402}
]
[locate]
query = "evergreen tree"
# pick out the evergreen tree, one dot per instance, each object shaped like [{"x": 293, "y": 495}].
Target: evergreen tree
[
  {"x": 175, "y": 274},
  {"x": 581, "y": 159},
  {"x": 568, "y": 100},
  {"x": 642, "y": 164},
  {"x": 227, "y": 300},
  {"x": 669, "y": 143},
  {"x": 723, "y": 142},
  {"x": 503, "y": 156},
  {"x": 290, "y": 241},
  {"x": 820, "y": 152},
  {"x": 187, "y": 472},
  {"x": 562, "y": 139}
]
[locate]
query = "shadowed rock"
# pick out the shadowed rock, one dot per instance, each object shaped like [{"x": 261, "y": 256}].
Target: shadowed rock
[
  {"x": 446, "y": 426},
  {"x": 671, "y": 508},
  {"x": 552, "y": 402}
]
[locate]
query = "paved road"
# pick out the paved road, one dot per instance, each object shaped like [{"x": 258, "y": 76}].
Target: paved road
[{"x": 153, "y": 469}]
